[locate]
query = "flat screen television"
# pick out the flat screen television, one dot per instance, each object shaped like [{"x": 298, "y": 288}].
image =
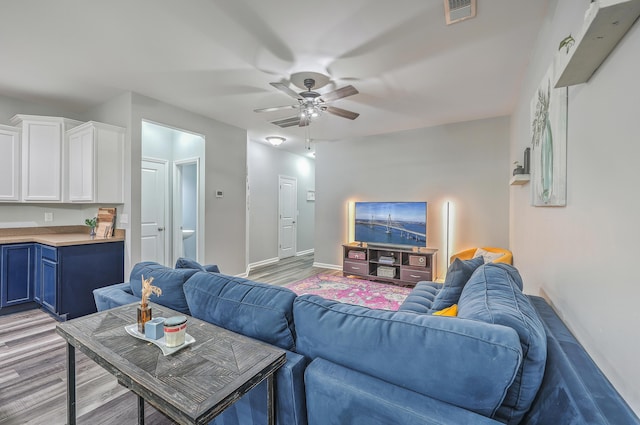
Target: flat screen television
[{"x": 391, "y": 223}]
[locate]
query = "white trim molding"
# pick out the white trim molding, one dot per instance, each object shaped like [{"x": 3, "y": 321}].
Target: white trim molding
[{"x": 327, "y": 266}]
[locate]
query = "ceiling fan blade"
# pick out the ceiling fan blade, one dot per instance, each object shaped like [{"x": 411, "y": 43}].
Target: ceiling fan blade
[
  {"x": 287, "y": 122},
  {"x": 277, "y": 108},
  {"x": 342, "y": 112},
  {"x": 340, "y": 93},
  {"x": 285, "y": 89}
]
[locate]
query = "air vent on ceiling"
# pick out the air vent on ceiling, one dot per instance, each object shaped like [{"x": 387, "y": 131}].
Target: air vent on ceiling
[{"x": 459, "y": 10}]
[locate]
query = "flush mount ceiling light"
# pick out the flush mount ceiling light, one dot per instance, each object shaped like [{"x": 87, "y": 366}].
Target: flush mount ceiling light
[
  {"x": 275, "y": 140},
  {"x": 459, "y": 10}
]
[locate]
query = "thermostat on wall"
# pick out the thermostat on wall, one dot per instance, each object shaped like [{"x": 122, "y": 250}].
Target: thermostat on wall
[{"x": 219, "y": 194}]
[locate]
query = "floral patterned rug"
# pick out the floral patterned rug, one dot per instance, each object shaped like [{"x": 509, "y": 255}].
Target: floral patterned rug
[{"x": 353, "y": 291}]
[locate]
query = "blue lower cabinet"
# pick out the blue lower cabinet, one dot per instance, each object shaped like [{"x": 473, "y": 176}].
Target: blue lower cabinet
[
  {"x": 67, "y": 276},
  {"x": 16, "y": 274}
]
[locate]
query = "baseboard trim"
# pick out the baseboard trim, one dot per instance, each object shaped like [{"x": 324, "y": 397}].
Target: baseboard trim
[
  {"x": 327, "y": 266},
  {"x": 308, "y": 251},
  {"x": 260, "y": 263}
]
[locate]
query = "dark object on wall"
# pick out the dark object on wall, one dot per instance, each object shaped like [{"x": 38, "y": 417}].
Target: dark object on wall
[
  {"x": 527, "y": 160},
  {"x": 518, "y": 170}
]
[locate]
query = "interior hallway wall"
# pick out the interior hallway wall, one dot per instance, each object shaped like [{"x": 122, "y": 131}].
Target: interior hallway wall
[{"x": 265, "y": 163}]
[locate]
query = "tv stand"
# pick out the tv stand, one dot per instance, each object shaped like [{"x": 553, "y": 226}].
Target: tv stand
[{"x": 404, "y": 266}]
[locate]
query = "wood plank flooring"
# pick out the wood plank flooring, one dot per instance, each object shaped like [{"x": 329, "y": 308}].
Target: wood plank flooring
[{"x": 33, "y": 366}]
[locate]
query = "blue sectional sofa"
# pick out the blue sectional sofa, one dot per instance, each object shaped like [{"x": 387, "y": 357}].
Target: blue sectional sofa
[{"x": 505, "y": 359}]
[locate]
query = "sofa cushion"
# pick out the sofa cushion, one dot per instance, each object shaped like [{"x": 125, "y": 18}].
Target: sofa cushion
[
  {"x": 457, "y": 276},
  {"x": 421, "y": 297},
  {"x": 337, "y": 395},
  {"x": 250, "y": 308},
  {"x": 493, "y": 294},
  {"x": 467, "y": 363},
  {"x": 171, "y": 281}
]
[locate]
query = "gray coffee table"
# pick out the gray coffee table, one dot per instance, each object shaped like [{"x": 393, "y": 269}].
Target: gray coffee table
[{"x": 191, "y": 386}]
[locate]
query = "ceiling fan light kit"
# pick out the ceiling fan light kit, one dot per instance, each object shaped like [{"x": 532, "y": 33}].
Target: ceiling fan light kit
[
  {"x": 275, "y": 140},
  {"x": 311, "y": 104}
]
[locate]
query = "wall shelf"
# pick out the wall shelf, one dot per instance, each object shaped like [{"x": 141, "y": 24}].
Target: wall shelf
[
  {"x": 606, "y": 22},
  {"x": 520, "y": 179}
]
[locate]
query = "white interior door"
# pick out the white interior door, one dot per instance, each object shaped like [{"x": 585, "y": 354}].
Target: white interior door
[
  {"x": 154, "y": 211},
  {"x": 288, "y": 211}
]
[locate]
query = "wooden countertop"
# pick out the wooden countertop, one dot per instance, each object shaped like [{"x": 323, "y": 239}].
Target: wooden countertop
[{"x": 56, "y": 235}]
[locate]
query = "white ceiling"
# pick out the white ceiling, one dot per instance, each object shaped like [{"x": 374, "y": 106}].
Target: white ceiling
[{"x": 217, "y": 58}]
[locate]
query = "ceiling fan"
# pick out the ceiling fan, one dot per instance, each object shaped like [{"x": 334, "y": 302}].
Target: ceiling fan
[{"x": 311, "y": 104}]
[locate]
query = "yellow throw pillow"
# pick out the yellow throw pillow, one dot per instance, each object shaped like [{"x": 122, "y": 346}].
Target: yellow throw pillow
[{"x": 449, "y": 311}]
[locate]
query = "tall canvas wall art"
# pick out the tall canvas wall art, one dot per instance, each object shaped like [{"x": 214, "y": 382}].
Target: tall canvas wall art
[{"x": 549, "y": 143}]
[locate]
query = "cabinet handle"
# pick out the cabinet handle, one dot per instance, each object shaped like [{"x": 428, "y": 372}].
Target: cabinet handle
[
  {"x": 413, "y": 275},
  {"x": 160, "y": 229},
  {"x": 355, "y": 268}
]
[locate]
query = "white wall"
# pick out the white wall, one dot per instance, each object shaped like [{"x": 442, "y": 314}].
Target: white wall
[
  {"x": 224, "y": 168},
  {"x": 584, "y": 255},
  {"x": 465, "y": 163},
  {"x": 265, "y": 163}
]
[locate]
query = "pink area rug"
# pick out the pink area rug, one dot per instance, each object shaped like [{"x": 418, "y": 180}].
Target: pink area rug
[{"x": 353, "y": 291}]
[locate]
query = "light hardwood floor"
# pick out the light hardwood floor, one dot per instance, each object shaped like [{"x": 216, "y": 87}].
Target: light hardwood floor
[{"x": 33, "y": 361}]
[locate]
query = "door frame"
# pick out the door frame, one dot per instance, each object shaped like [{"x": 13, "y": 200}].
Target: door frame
[
  {"x": 177, "y": 208},
  {"x": 167, "y": 212},
  {"x": 282, "y": 177}
]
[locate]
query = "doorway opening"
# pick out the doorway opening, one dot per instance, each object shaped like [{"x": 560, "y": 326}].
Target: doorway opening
[
  {"x": 172, "y": 206},
  {"x": 186, "y": 208}
]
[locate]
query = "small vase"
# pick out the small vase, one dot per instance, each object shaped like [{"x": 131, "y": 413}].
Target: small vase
[
  {"x": 144, "y": 315},
  {"x": 92, "y": 233}
]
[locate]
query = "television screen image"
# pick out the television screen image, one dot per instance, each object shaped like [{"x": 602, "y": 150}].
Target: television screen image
[{"x": 391, "y": 223}]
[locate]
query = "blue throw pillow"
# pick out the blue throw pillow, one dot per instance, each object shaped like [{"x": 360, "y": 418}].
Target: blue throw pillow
[
  {"x": 457, "y": 276},
  {"x": 188, "y": 263},
  {"x": 171, "y": 281}
]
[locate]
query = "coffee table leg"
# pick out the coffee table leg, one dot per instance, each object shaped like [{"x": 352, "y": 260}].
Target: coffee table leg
[
  {"x": 140, "y": 410},
  {"x": 271, "y": 408},
  {"x": 71, "y": 384}
]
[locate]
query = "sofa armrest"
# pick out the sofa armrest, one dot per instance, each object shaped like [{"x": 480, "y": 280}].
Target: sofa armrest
[
  {"x": 291, "y": 409},
  {"x": 343, "y": 396},
  {"x": 114, "y": 296}
]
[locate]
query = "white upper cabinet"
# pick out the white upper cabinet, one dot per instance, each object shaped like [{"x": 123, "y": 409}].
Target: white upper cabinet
[
  {"x": 95, "y": 166},
  {"x": 42, "y": 156},
  {"x": 9, "y": 163}
]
